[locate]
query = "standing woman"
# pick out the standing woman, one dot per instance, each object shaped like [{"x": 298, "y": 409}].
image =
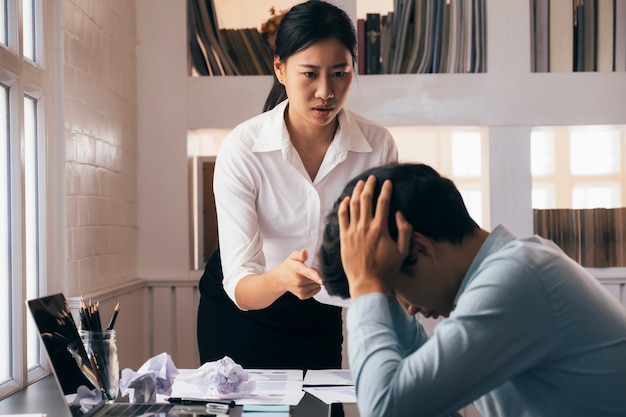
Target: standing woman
[{"x": 276, "y": 176}]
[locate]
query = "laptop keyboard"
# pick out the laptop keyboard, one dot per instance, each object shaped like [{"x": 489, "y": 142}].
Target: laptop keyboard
[{"x": 127, "y": 410}]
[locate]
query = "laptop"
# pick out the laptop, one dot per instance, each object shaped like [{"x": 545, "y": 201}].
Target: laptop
[{"x": 70, "y": 364}]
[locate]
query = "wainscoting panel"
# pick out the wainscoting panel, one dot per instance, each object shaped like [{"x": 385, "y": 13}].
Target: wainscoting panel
[{"x": 173, "y": 310}]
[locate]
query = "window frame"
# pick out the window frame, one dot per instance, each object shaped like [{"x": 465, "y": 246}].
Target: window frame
[{"x": 24, "y": 77}]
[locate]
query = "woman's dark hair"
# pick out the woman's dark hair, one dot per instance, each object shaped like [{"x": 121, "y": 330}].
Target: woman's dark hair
[
  {"x": 302, "y": 26},
  {"x": 430, "y": 203}
]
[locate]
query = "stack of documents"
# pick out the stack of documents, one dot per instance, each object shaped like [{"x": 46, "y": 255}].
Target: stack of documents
[
  {"x": 330, "y": 386},
  {"x": 283, "y": 387},
  {"x": 273, "y": 387}
]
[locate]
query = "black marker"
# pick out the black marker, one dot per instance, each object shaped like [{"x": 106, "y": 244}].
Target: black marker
[{"x": 198, "y": 401}]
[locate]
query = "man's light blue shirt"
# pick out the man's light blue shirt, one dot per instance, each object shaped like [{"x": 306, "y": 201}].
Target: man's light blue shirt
[{"x": 532, "y": 333}]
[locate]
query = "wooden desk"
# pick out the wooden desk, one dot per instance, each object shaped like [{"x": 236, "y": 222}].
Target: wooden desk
[{"x": 44, "y": 397}]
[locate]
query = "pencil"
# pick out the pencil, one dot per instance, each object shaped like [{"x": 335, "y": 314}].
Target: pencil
[{"x": 114, "y": 317}]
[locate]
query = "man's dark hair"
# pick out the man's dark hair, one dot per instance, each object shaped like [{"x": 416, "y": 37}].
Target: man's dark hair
[
  {"x": 431, "y": 204},
  {"x": 302, "y": 26}
]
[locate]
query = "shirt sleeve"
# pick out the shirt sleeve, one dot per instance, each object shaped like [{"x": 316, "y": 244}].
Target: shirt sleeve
[
  {"x": 492, "y": 336},
  {"x": 392, "y": 153},
  {"x": 241, "y": 247}
]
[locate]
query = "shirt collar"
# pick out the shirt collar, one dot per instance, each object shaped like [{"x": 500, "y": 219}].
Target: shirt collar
[
  {"x": 274, "y": 136},
  {"x": 498, "y": 238}
]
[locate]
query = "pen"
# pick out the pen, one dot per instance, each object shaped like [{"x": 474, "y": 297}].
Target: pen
[{"x": 198, "y": 401}]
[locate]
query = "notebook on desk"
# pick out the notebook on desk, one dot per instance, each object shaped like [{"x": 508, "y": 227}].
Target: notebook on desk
[{"x": 65, "y": 351}]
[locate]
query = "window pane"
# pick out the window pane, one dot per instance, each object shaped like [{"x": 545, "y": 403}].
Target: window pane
[
  {"x": 543, "y": 197},
  {"x": 28, "y": 23},
  {"x": 474, "y": 203},
  {"x": 596, "y": 195},
  {"x": 3, "y": 22},
  {"x": 466, "y": 154},
  {"x": 31, "y": 219},
  {"x": 5, "y": 265},
  {"x": 541, "y": 153},
  {"x": 594, "y": 152}
]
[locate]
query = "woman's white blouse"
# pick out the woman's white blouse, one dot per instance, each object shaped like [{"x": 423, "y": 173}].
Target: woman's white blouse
[{"x": 267, "y": 205}]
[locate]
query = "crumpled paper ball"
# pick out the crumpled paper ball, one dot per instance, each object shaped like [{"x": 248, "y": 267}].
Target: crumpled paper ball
[
  {"x": 155, "y": 376},
  {"x": 221, "y": 379},
  {"x": 85, "y": 399}
]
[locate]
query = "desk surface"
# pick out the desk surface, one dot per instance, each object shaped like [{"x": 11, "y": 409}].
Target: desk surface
[{"x": 43, "y": 396}]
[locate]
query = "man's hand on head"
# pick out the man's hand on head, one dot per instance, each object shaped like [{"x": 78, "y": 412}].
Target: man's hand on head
[{"x": 370, "y": 257}]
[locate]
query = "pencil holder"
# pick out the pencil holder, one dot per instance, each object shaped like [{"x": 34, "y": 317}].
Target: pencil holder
[{"x": 101, "y": 349}]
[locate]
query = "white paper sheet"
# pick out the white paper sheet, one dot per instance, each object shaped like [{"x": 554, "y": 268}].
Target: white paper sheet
[
  {"x": 344, "y": 394},
  {"x": 275, "y": 374},
  {"x": 328, "y": 377}
]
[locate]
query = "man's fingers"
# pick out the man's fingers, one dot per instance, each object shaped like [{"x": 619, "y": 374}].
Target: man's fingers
[
  {"x": 355, "y": 202},
  {"x": 382, "y": 206},
  {"x": 342, "y": 214},
  {"x": 405, "y": 230},
  {"x": 366, "y": 198}
]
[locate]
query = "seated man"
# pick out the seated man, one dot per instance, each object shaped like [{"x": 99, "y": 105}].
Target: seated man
[{"x": 529, "y": 331}]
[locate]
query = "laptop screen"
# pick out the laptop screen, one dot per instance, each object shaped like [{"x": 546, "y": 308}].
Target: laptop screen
[{"x": 63, "y": 344}]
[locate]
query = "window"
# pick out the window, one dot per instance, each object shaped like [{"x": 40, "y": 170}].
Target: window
[
  {"x": 31, "y": 223},
  {"x": 22, "y": 192},
  {"x": 579, "y": 189},
  {"x": 5, "y": 241},
  {"x": 578, "y": 167},
  {"x": 456, "y": 153}
]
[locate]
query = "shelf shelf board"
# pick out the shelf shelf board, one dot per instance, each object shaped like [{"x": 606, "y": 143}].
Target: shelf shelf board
[{"x": 484, "y": 99}]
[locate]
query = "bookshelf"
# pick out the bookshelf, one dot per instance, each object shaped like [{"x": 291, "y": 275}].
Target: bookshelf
[
  {"x": 578, "y": 35},
  {"x": 509, "y": 99}
]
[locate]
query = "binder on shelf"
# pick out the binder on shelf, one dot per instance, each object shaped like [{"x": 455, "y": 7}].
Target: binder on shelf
[
  {"x": 361, "y": 45},
  {"x": 579, "y": 36},
  {"x": 403, "y": 11},
  {"x": 595, "y": 237},
  {"x": 561, "y": 36},
  {"x": 228, "y": 44},
  {"x": 468, "y": 48},
  {"x": 198, "y": 60},
  {"x": 416, "y": 49},
  {"x": 242, "y": 53},
  {"x": 437, "y": 29},
  {"x": 206, "y": 30},
  {"x": 604, "y": 47},
  {"x": 424, "y": 30},
  {"x": 590, "y": 35},
  {"x": 446, "y": 26},
  {"x": 619, "y": 48},
  {"x": 480, "y": 33},
  {"x": 262, "y": 50},
  {"x": 386, "y": 42},
  {"x": 220, "y": 40},
  {"x": 454, "y": 33},
  {"x": 199, "y": 31},
  {"x": 372, "y": 53},
  {"x": 541, "y": 15},
  {"x": 250, "y": 52}
]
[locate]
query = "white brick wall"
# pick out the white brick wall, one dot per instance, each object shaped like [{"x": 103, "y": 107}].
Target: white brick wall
[{"x": 100, "y": 116}]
